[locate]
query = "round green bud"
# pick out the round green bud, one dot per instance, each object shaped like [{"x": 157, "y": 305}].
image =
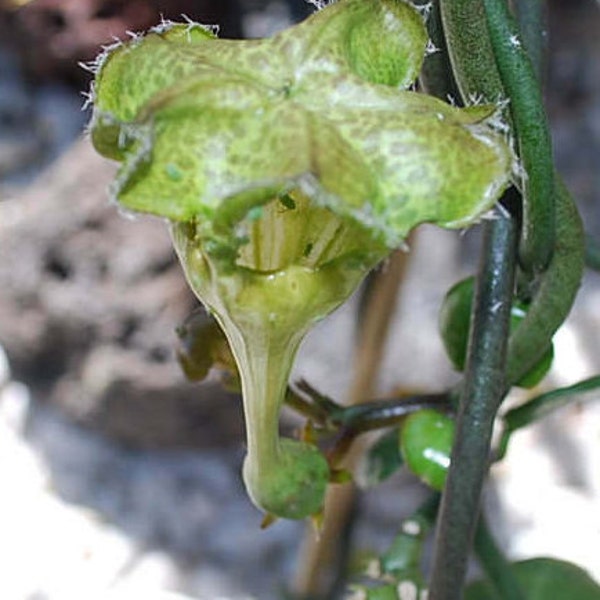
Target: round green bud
[
  {"x": 294, "y": 486},
  {"x": 426, "y": 439}
]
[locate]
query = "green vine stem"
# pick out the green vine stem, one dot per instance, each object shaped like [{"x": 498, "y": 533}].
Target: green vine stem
[
  {"x": 483, "y": 390},
  {"x": 490, "y": 61},
  {"x": 522, "y": 88},
  {"x": 532, "y": 23},
  {"x": 556, "y": 293},
  {"x": 494, "y": 563},
  {"x": 385, "y": 413}
]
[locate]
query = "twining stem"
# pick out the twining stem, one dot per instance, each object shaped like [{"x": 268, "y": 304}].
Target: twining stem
[
  {"x": 489, "y": 60},
  {"x": 557, "y": 289},
  {"x": 522, "y": 88},
  {"x": 483, "y": 390},
  {"x": 531, "y": 17},
  {"x": 321, "y": 554},
  {"x": 494, "y": 563}
]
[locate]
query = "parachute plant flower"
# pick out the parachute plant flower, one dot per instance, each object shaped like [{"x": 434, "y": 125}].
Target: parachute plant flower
[{"x": 288, "y": 168}]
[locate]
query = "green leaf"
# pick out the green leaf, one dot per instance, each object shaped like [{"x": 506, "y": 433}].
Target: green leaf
[
  {"x": 541, "y": 406},
  {"x": 543, "y": 579},
  {"x": 381, "y": 460}
]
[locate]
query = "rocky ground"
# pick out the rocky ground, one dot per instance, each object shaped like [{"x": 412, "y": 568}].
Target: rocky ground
[{"x": 120, "y": 479}]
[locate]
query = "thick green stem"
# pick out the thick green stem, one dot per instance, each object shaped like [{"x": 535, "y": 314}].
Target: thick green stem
[
  {"x": 482, "y": 392},
  {"x": 522, "y": 88},
  {"x": 470, "y": 50},
  {"x": 490, "y": 61},
  {"x": 556, "y": 292},
  {"x": 532, "y": 23},
  {"x": 494, "y": 563}
]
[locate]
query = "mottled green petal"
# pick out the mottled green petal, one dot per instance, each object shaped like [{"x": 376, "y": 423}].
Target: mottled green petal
[{"x": 381, "y": 42}]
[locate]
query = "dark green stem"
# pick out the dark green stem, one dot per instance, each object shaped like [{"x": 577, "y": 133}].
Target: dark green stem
[
  {"x": 494, "y": 563},
  {"x": 489, "y": 60},
  {"x": 470, "y": 50},
  {"x": 385, "y": 413},
  {"x": 556, "y": 293},
  {"x": 526, "y": 106},
  {"x": 436, "y": 74},
  {"x": 483, "y": 390},
  {"x": 532, "y": 23}
]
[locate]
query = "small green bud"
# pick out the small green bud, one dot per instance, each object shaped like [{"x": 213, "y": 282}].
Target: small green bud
[{"x": 426, "y": 444}]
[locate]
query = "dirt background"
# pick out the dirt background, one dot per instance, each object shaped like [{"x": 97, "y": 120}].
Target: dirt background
[{"x": 121, "y": 479}]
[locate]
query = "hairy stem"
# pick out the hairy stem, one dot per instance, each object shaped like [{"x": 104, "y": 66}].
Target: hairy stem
[
  {"x": 556, "y": 292},
  {"x": 522, "y": 88},
  {"x": 532, "y": 23}
]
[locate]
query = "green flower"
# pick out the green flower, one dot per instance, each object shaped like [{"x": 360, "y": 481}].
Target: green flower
[{"x": 289, "y": 167}]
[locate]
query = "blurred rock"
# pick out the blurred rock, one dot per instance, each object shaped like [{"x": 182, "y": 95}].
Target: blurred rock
[
  {"x": 88, "y": 306},
  {"x": 20, "y": 142},
  {"x": 573, "y": 90},
  {"x": 54, "y": 35}
]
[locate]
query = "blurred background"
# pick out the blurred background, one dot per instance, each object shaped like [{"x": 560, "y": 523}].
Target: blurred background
[{"x": 118, "y": 478}]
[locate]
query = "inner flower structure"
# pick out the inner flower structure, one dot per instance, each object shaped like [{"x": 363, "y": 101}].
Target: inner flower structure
[{"x": 294, "y": 264}]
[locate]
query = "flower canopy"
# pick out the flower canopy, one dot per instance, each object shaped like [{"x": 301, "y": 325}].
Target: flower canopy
[{"x": 207, "y": 128}]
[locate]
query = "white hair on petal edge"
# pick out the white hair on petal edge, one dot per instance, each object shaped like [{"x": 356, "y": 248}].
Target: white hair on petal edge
[
  {"x": 424, "y": 9},
  {"x": 321, "y": 4}
]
